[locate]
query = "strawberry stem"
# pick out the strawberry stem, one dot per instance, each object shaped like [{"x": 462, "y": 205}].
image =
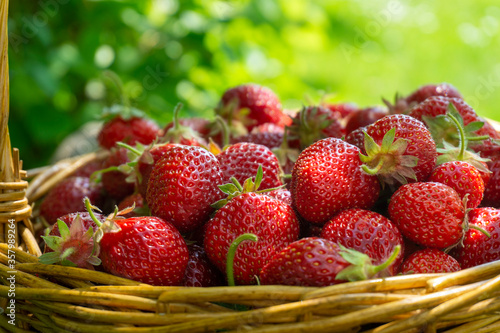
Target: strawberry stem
[
  {"x": 481, "y": 230},
  {"x": 224, "y": 130},
  {"x": 90, "y": 208},
  {"x": 375, "y": 269},
  {"x": 231, "y": 253},
  {"x": 461, "y": 139}
]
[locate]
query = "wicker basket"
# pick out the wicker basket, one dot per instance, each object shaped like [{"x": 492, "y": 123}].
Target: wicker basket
[{"x": 51, "y": 298}]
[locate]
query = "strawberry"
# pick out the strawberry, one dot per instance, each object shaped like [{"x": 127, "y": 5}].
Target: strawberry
[
  {"x": 200, "y": 272},
  {"x": 127, "y": 129},
  {"x": 429, "y": 260},
  {"x": 70, "y": 241},
  {"x": 146, "y": 249},
  {"x": 268, "y": 135},
  {"x": 241, "y": 160},
  {"x": 114, "y": 180},
  {"x": 364, "y": 117},
  {"x": 479, "y": 247},
  {"x": 175, "y": 132},
  {"x": 252, "y": 105},
  {"x": 327, "y": 178},
  {"x": 398, "y": 149},
  {"x": 367, "y": 232},
  {"x": 271, "y": 220},
  {"x": 281, "y": 194},
  {"x": 444, "y": 130},
  {"x": 182, "y": 185},
  {"x": 428, "y": 213},
  {"x": 342, "y": 109},
  {"x": 314, "y": 261},
  {"x": 135, "y": 200},
  {"x": 463, "y": 178},
  {"x": 314, "y": 123},
  {"x": 492, "y": 189},
  {"x": 404, "y": 104},
  {"x": 67, "y": 197}
]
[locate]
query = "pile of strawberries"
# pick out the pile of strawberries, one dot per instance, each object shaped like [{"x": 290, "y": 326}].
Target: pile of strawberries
[{"x": 261, "y": 195}]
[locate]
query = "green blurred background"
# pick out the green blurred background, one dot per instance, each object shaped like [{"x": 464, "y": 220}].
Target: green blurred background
[{"x": 167, "y": 51}]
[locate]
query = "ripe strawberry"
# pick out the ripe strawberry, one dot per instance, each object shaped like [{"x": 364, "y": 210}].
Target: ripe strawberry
[
  {"x": 127, "y": 129},
  {"x": 314, "y": 123},
  {"x": 364, "y": 117},
  {"x": 67, "y": 197},
  {"x": 342, "y": 109},
  {"x": 182, "y": 185},
  {"x": 253, "y": 105},
  {"x": 479, "y": 248},
  {"x": 135, "y": 200},
  {"x": 200, "y": 272},
  {"x": 491, "y": 196},
  {"x": 271, "y": 220},
  {"x": 319, "y": 262},
  {"x": 113, "y": 179},
  {"x": 175, "y": 132},
  {"x": 428, "y": 213},
  {"x": 241, "y": 160},
  {"x": 444, "y": 130},
  {"x": 327, "y": 178},
  {"x": 367, "y": 232},
  {"x": 429, "y": 260},
  {"x": 281, "y": 194},
  {"x": 404, "y": 104},
  {"x": 463, "y": 178},
  {"x": 146, "y": 249},
  {"x": 268, "y": 135},
  {"x": 398, "y": 149},
  {"x": 87, "y": 221}
]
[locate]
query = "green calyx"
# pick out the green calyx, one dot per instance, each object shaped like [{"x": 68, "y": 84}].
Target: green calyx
[
  {"x": 309, "y": 126},
  {"x": 231, "y": 253},
  {"x": 448, "y": 152},
  {"x": 361, "y": 267},
  {"x": 234, "y": 188},
  {"x": 178, "y": 132},
  {"x": 284, "y": 153},
  {"x": 387, "y": 160}
]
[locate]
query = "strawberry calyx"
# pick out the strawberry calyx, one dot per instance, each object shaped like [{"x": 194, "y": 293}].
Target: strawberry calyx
[
  {"x": 361, "y": 267},
  {"x": 284, "y": 153},
  {"x": 234, "y": 188},
  {"x": 448, "y": 152},
  {"x": 231, "y": 253},
  {"x": 76, "y": 246},
  {"x": 309, "y": 125},
  {"x": 179, "y": 133},
  {"x": 388, "y": 160}
]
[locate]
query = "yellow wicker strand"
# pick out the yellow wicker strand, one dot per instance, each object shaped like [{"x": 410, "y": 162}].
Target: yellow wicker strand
[
  {"x": 26, "y": 279},
  {"x": 358, "y": 318},
  {"x": 142, "y": 290},
  {"x": 76, "y": 273},
  {"x": 228, "y": 294},
  {"x": 476, "y": 273},
  {"x": 480, "y": 293},
  {"x": 29, "y": 240},
  {"x": 20, "y": 256},
  {"x": 473, "y": 326},
  {"x": 492, "y": 328},
  {"x": 488, "y": 306},
  {"x": 81, "y": 297},
  {"x": 379, "y": 284}
]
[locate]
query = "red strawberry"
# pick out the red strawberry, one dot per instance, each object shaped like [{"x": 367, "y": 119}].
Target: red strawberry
[
  {"x": 114, "y": 180},
  {"x": 477, "y": 247},
  {"x": 428, "y": 213},
  {"x": 314, "y": 123},
  {"x": 253, "y": 105},
  {"x": 367, "y": 232},
  {"x": 271, "y": 220},
  {"x": 327, "y": 178},
  {"x": 429, "y": 260},
  {"x": 281, "y": 194},
  {"x": 67, "y": 197},
  {"x": 492, "y": 189},
  {"x": 241, "y": 160},
  {"x": 200, "y": 272},
  {"x": 319, "y": 262},
  {"x": 404, "y": 104},
  {"x": 75, "y": 246},
  {"x": 364, "y": 117},
  {"x": 463, "y": 178},
  {"x": 342, "y": 109},
  {"x": 270, "y": 137},
  {"x": 175, "y": 132},
  {"x": 399, "y": 149},
  {"x": 135, "y": 200},
  {"x": 146, "y": 249},
  {"x": 129, "y": 130},
  {"x": 182, "y": 185}
]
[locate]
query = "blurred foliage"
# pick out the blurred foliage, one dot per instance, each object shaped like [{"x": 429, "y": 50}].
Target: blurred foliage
[{"x": 167, "y": 51}]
